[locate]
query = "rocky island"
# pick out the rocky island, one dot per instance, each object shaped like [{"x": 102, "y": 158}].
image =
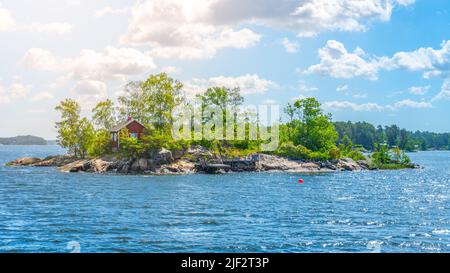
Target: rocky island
[
  {"x": 196, "y": 159},
  {"x": 154, "y": 129}
]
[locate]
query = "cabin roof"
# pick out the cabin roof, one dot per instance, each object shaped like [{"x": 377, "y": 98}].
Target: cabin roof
[{"x": 124, "y": 124}]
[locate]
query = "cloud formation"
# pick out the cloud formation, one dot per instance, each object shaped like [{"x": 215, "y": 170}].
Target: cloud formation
[
  {"x": 419, "y": 90},
  {"x": 249, "y": 84},
  {"x": 91, "y": 70},
  {"x": 13, "y": 91},
  {"x": 198, "y": 28},
  {"x": 337, "y": 62},
  {"x": 307, "y": 17},
  {"x": 42, "y": 96},
  {"x": 290, "y": 47},
  {"x": 444, "y": 94},
  {"x": 176, "y": 29},
  {"x": 110, "y": 64},
  {"x": 375, "y": 107}
]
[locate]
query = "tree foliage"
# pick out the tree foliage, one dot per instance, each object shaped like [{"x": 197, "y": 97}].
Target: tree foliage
[
  {"x": 152, "y": 101},
  {"x": 310, "y": 127},
  {"x": 104, "y": 115},
  {"x": 74, "y": 133}
]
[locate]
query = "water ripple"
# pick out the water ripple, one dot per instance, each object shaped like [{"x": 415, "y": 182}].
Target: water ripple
[{"x": 42, "y": 210}]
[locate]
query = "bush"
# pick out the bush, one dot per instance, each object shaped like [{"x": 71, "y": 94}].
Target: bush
[
  {"x": 356, "y": 155},
  {"x": 319, "y": 156},
  {"x": 292, "y": 151},
  {"x": 100, "y": 144},
  {"x": 334, "y": 153},
  {"x": 382, "y": 159},
  {"x": 178, "y": 145},
  {"x": 131, "y": 147}
]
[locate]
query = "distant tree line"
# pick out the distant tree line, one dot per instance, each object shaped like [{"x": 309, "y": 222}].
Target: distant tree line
[{"x": 369, "y": 137}]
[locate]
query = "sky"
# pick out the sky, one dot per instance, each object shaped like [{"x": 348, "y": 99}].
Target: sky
[{"x": 381, "y": 61}]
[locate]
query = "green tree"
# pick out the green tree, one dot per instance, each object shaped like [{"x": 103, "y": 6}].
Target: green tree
[
  {"x": 133, "y": 103},
  {"x": 85, "y": 136},
  {"x": 392, "y": 135},
  {"x": 130, "y": 146},
  {"x": 315, "y": 131},
  {"x": 290, "y": 112},
  {"x": 68, "y": 126},
  {"x": 223, "y": 99},
  {"x": 165, "y": 95},
  {"x": 152, "y": 101},
  {"x": 382, "y": 156},
  {"x": 74, "y": 133},
  {"x": 100, "y": 144},
  {"x": 104, "y": 115}
]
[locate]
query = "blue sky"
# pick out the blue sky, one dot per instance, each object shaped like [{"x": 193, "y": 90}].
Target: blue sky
[{"x": 381, "y": 61}]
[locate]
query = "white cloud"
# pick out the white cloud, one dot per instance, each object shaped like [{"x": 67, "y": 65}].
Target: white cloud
[
  {"x": 42, "y": 96},
  {"x": 365, "y": 107},
  {"x": 91, "y": 70},
  {"x": 432, "y": 61},
  {"x": 249, "y": 84},
  {"x": 342, "y": 88},
  {"x": 41, "y": 59},
  {"x": 198, "y": 28},
  {"x": 111, "y": 64},
  {"x": 307, "y": 18},
  {"x": 90, "y": 88},
  {"x": 375, "y": 107},
  {"x": 337, "y": 62},
  {"x": 412, "y": 104},
  {"x": 7, "y": 21},
  {"x": 444, "y": 94},
  {"x": 175, "y": 29},
  {"x": 14, "y": 91},
  {"x": 89, "y": 92},
  {"x": 419, "y": 90},
  {"x": 108, "y": 10},
  {"x": 291, "y": 47},
  {"x": 170, "y": 70}
]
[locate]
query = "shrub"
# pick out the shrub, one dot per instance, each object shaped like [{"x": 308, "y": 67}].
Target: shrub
[
  {"x": 356, "y": 155},
  {"x": 293, "y": 151},
  {"x": 100, "y": 144},
  {"x": 334, "y": 153},
  {"x": 319, "y": 156}
]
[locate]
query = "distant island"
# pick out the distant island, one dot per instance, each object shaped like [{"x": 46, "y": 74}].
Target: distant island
[{"x": 23, "y": 140}]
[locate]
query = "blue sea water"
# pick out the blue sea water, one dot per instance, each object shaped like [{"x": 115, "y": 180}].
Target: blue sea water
[{"x": 43, "y": 210}]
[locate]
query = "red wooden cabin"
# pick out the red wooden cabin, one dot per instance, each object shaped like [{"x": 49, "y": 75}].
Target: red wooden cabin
[{"x": 135, "y": 128}]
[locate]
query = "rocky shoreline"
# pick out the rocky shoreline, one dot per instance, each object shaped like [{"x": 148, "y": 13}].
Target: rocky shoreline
[{"x": 194, "y": 160}]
